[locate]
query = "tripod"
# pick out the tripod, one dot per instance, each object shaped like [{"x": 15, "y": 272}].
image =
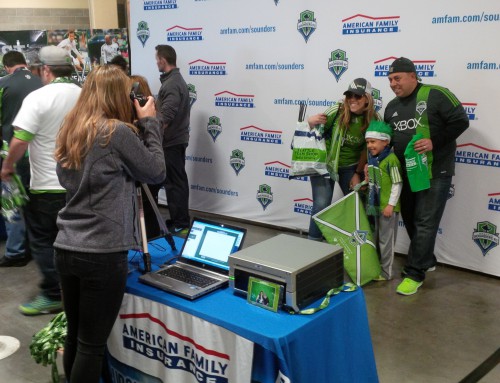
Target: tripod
[{"x": 142, "y": 225}]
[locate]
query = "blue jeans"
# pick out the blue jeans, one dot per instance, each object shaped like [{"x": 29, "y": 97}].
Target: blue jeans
[
  {"x": 322, "y": 194},
  {"x": 15, "y": 245},
  {"x": 41, "y": 215},
  {"x": 422, "y": 212},
  {"x": 93, "y": 285}
]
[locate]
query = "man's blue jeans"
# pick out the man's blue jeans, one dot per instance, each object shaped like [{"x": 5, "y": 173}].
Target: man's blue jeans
[
  {"x": 41, "y": 215},
  {"x": 422, "y": 212},
  {"x": 15, "y": 245},
  {"x": 322, "y": 194}
]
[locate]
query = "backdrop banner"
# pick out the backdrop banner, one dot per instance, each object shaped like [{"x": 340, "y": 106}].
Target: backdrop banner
[{"x": 249, "y": 64}]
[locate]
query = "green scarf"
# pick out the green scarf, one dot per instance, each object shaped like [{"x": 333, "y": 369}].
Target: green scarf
[
  {"x": 423, "y": 127},
  {"x": 332, "y": 158}
]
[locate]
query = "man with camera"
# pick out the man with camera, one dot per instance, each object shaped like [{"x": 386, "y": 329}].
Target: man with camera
[
  {"x": 173, "y": 111},
  {"x": 35, "y": 128}
]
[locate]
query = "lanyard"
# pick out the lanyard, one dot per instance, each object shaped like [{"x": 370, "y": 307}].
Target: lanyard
[
  {"x": 61, "y": 80},
  {"x": 346, "y": 287}
]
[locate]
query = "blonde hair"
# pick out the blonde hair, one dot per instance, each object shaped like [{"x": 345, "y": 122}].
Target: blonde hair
[
  {"x": 368, "y": 113},
  {"x": 103, "y": 104}
]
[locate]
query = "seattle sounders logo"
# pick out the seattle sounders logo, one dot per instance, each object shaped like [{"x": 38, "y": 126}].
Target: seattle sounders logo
[
  {"x": 237, "y": 160},
  {"x": 264, "y": 195},
  {"x": 143, "y": 32},
  {"x": 307, "y": 24},
  {"x": 338, "y": 63},
  {"x": 359, "y": 237},
  {"x": 214, "y": 127},
  {"x": 193, "y": 95},
  {"x": 485, "y": 236}
]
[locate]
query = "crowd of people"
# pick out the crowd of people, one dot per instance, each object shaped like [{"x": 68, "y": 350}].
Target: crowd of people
[{"x": 89, "y": 146}]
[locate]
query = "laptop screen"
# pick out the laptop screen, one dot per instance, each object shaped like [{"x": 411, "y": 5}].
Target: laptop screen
[{"x": 211, "y": 243}]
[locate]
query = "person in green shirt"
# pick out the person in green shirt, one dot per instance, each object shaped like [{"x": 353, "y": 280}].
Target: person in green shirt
[
  {"x": 343, "y": 125},
  {"x": 385, "y": 185}
]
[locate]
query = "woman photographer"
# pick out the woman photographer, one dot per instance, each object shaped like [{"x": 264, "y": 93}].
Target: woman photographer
[{"x": 100, "y": 158}]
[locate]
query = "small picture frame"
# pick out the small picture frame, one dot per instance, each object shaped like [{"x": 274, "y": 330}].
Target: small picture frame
[{"x": 264, "y": 294}]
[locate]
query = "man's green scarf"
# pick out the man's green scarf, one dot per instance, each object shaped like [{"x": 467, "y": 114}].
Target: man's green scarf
[{"x": 423, "y": 125}]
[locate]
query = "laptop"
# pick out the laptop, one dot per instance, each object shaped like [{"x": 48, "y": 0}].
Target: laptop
[{"x": 203, "y": 264}]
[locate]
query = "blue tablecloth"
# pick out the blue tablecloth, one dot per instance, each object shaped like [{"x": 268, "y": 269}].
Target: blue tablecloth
[{"x": 332, "y": 345}]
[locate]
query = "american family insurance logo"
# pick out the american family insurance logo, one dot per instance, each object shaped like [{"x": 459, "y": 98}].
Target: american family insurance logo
[
  {"x": 472, "y": 154},
  {"x": 363, "y": 24},
  {"x": 470, "y": 109},
  {"x": 178, "y": 33},
  {"x": 425, "y": 68},
  {"x": 151, "y": 338},
  {"x": 233, "y": 100},
  {"x": 205, "y": 68},
  {"x": 153, "y": 5},
  {"x": 303, "y": 206},
  {"x": 280, "y": 170},
  {"x": 256, "y": 134},
  {"x": 494, "y": 201}
]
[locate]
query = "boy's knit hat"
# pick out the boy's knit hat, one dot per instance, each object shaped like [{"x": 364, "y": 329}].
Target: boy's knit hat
[{"x": 379, "y": 130}]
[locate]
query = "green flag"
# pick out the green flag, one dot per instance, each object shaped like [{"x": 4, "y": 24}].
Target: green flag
[{"x": 345, "y": 223}]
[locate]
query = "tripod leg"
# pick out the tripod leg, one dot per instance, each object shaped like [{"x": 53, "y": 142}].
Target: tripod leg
[
  {"x": 163, "y": 227},
  {"x": 142, "y": 224}
]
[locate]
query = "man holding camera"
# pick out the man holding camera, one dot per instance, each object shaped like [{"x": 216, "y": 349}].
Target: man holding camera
[
  {"x": 173, "y": 111},
  {"x": 36, "y": 127}
]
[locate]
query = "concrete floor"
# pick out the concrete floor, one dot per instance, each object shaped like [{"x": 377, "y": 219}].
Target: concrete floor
[{"x": 439, "y": 335}]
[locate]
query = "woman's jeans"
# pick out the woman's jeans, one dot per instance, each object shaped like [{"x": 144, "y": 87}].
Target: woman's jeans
[
  {"x": 92, "y": 287},
  {"x": 322, "y": 194}
]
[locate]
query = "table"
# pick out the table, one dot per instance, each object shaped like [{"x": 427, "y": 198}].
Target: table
[{"x": 333, "y": 345}]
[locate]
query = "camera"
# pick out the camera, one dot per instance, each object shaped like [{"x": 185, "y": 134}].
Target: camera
[{"x": 135, "y": 94}]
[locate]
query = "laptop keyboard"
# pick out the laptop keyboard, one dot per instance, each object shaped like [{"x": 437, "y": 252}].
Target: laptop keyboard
[{"x": 188, "y": 276}]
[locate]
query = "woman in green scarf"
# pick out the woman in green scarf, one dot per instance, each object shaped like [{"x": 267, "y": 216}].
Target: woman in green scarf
[{"x": 343, "y": 125}]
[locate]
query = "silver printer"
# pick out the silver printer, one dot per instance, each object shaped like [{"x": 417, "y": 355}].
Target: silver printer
[{"x": 306, "y": 269}]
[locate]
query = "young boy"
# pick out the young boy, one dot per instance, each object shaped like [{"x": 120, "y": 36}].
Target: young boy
[{"x": 385, "y": 184}]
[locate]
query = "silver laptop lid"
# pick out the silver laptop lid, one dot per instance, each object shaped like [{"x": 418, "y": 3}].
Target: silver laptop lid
[{"x": 209, "y": 244}]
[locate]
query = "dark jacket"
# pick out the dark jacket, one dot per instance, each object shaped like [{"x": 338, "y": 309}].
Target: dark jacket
[
  {"x": 447, "y": 121},
  {"x": 101, "y": 206},
  {"x": 172, "y": 106}
]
